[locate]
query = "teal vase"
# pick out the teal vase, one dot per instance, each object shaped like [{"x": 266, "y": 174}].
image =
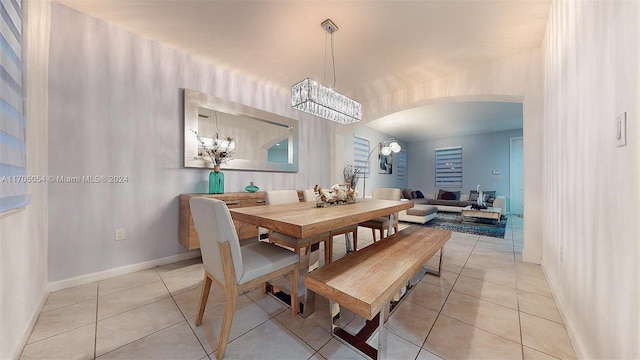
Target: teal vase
[
  {"x": 216, "y": 181},
  {"x": 251, "y": 188}
]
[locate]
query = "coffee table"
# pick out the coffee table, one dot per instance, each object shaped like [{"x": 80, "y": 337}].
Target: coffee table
[{"x": 488, "y": 213}]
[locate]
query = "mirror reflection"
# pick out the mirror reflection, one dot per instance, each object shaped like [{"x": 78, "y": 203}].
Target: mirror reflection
[
  {"x": 255, "y": 139},
  {"x": 262, "y": 140}
]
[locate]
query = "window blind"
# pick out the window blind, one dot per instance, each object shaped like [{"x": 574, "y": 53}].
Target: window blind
[
  {"x": 449, "y": 167},
  {"x": 360, "y": 155},
  {"x": 13, "y": 150},
  {"x": 401, "y": 165}
]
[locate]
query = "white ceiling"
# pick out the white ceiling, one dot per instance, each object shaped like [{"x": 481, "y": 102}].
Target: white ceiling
[
  {"x": 380, "y": 47},
  {"x": 450, "y": 119}
]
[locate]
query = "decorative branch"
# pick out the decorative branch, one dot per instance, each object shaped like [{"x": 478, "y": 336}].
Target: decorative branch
[{"x": 350, "y": 174}]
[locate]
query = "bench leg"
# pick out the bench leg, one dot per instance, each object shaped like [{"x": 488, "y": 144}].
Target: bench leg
[
  {"x": 382, "y": 332},
  {"x": 358, "y": 342},
  {"x": 439, "y": 272}
]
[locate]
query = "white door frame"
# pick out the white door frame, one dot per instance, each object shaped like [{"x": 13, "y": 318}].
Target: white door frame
[{"x": 511, "y": 140}]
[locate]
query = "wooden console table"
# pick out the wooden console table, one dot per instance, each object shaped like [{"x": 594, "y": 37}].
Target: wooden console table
[{"x": 188, "y": 236}]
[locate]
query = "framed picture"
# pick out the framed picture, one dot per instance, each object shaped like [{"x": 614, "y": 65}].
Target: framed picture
[{"x": 385, "y": 163}]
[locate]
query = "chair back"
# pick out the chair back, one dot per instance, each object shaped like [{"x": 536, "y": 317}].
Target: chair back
[
  {"x": 387, "y": 194},
  {"x": 308, "y": 195},
  {"x": 213, "y": 223},
  {"x": 275, "y": 197}
]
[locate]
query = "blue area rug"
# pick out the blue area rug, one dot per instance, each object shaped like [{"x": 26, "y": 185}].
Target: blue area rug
[{"x": 453, "y": 221}]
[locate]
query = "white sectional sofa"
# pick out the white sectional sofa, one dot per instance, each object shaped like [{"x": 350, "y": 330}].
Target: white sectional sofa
[{"x": 457, "y": 205}]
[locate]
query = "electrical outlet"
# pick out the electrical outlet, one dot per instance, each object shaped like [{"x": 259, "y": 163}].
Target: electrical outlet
[
  {"x": 621, "y": 129},
  {"x": 120, "y": 234}
]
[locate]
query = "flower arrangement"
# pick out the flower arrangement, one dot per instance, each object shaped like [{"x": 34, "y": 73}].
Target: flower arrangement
[{"x": 216, "y": 151}]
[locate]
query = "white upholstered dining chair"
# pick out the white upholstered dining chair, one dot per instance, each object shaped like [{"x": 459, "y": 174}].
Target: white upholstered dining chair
[
  {"x": 383, "y": 223},
  {"x": 275, "y": 197},
  {"x": 233, "y": 267},
  {"x": 310, "y": 195}
]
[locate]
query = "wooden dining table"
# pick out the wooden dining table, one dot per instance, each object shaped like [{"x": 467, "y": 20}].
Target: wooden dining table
[{"x": 305, "y": 219}]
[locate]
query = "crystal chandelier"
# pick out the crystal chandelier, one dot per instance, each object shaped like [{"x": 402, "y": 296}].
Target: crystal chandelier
[{"x": 319, "y": 100}]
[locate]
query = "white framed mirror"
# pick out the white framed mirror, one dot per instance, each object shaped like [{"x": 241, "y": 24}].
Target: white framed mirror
[{"x": 263, "y": 141}]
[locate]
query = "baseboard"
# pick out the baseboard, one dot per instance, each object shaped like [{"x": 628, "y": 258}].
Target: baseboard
[
  {"x": 15, "y": 353},
  {"x": 578, "y": 346},
  {"x": 531, "y": 259},
  {"x": 127, "y": 269}
]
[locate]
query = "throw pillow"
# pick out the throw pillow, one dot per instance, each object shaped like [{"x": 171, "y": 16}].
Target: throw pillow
[
  {"x": 406, "y": 194},
  {"x": 414, "y": 195},
  {"x": 473, "y": 195},
  {"x": 489, "y": 195},
  {"x": 449, "y": 196},
  {"x": 419, "y": 194}
]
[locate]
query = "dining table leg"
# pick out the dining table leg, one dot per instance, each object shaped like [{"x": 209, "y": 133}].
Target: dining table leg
[
  {"x": 348, "y": 242},
  {"x": 310, "y": 297},
  {"x": 307, "y": 306},
  {"x": 392, "y": 220}
]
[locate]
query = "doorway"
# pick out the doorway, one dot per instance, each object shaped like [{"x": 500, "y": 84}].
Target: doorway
[{"x": 516, "y": 177}]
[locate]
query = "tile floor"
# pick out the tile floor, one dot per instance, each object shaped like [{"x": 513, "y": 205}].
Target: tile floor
[{"x": 488, "y": 304}]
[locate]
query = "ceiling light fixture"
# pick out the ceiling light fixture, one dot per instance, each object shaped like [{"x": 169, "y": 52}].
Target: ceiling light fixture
[{"x": 319, "y": 100}]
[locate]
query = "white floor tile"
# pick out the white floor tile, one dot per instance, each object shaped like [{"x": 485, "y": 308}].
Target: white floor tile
[
  {"x": 174, "y": 342},
  {"x": 149, "y": 314}
]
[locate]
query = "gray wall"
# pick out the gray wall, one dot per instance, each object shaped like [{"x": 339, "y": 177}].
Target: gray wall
[
  {"x": 591, "y": 232},
  {"x": 480, "y": 154},
  {"x": 116, "y": 108}
]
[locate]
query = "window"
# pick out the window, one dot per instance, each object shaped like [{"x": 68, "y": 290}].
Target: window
[
  {"x": 360, "y": 154},
  {"x": 401, "y": 165},
  {"x": 449, "y": 167},
  {"x": 13, "y": 149}
]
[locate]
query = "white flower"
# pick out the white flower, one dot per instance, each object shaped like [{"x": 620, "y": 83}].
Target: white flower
[{"x": 215, "y": 150}]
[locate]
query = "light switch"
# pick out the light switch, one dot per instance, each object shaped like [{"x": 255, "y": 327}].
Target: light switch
[{"x": 621, "y": 129}]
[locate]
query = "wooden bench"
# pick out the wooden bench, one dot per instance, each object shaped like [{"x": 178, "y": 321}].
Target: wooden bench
[{"x": 367, "y": 281}]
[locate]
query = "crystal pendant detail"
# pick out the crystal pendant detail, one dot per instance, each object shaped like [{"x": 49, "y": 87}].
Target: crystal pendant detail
[{"x": 319, "y": 100}]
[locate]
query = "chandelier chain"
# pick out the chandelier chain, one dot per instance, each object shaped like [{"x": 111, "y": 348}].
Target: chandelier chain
[
  {"x": 333, "y": 61},
  {"x": 324, "y": 70}
]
